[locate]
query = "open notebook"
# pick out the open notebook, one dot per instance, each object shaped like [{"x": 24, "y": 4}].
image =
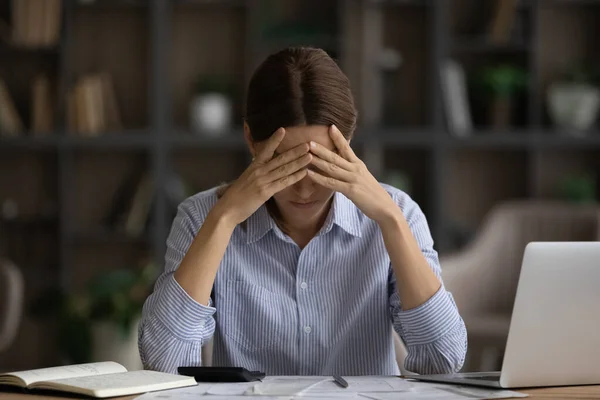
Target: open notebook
[{"x": 102, "y": 379}]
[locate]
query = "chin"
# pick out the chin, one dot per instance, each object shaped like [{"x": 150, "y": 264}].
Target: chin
[{"x": 302, "y": 213}]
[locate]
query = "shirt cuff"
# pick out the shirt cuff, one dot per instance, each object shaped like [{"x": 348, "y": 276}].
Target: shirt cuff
[
  {"x": 430, "y": 321},
  {"x": 179, "y": 312}
]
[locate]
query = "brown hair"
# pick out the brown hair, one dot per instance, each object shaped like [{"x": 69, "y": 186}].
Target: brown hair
[
  {"x": 293, "y": 87},
  {"x": 299, "y": 86}
]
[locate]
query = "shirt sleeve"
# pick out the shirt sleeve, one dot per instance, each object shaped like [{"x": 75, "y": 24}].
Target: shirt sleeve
[
  {"x": 434, "y": 332},
  {"x": 174, "y": 326}
]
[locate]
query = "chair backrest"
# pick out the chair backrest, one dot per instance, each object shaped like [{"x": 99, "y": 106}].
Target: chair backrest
[
  {"x": 12, "y": 296},
  {"x": 488, "y": 269}
]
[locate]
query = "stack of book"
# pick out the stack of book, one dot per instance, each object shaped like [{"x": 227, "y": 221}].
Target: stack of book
[
  {"x": 92, "y": 107},
  {"x": 36, "y": 23}
]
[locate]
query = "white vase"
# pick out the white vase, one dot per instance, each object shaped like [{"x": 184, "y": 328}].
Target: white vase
[
  {"x": 109, "y": 344},
  {"x": 573, "y": 106},
  {"x": 210, "y": 114}
]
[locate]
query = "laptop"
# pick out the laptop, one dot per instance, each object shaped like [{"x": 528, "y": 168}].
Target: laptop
[{"x": 554, "y": 334}]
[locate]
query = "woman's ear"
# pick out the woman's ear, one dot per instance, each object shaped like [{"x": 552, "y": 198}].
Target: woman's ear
[{"x": 248, "y": 139}]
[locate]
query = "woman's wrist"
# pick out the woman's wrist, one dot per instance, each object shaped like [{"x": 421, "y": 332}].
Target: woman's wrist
[{"x": 221, "y": 215}]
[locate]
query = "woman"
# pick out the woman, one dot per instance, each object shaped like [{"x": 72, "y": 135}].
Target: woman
[{"x": 304, "y": 264}]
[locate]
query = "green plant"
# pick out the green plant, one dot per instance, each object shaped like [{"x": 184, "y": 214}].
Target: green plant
[
  {"x": 578, "y": 188},
  {"x": 502, "y": 80},
  {"x": 116, "y": 297}
]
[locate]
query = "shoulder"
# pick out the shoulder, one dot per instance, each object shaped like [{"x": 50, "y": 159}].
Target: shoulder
[
  {"x": 410, "y": 208},
  {"x": 196, "y": 207}
]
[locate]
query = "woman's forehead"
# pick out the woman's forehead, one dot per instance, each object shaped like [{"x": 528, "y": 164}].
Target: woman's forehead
[{"x": 297, "y": 135}]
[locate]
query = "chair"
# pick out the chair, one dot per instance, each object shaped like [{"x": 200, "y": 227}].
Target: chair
[
  {"x": 12, "y": 294},
  {"x": 483, "y": 277}
]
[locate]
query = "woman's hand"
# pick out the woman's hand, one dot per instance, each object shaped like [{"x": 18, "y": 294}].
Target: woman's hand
[
  {"x": 263, "y": 178},
  {"x": 347, "y": 174}
]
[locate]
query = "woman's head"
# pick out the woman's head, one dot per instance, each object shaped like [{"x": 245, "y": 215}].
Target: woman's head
[{"x": 303, "y": 90}]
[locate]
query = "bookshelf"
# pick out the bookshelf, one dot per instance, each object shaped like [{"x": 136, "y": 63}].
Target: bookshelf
[{"x": 65, "y": 181}]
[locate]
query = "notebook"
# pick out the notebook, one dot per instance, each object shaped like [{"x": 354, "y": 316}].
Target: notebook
[{"x": 101, "y": 379}]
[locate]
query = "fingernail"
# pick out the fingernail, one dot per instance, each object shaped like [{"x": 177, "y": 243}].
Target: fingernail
[{"x": 313, "y": 144}]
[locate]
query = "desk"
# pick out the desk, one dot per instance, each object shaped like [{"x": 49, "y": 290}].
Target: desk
[{"x": 571, "y": 392}]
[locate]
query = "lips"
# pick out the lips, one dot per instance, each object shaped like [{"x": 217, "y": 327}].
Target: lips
[{"x": 303, "y": 205}]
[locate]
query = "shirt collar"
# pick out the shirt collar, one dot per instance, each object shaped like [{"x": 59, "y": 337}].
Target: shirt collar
[{"x": 343, "y": 213}]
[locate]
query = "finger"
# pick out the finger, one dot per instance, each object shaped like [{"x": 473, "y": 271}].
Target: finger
[
  {"x": 330, "y": 156},
  {"x": 288, "y": 156},
  {"x": 286, "y": 181},
  {"x": 289, "y": 168},
  {"x": 332, "y": 170},
  {"x": 341, "y": 144},
  {"x": 329, "y": 182},
  {"x": 271, "y": 145}
]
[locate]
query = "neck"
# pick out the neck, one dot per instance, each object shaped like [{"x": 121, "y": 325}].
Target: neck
[{"x": 303, "y": 234}]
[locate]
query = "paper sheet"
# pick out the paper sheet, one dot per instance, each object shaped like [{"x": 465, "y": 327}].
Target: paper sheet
[
  {"x": 360, "y": 384},
  {"x": 324, "y": 388}
]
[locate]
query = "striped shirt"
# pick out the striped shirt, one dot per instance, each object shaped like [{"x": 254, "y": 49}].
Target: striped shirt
[{"x": 326, "y": 309}]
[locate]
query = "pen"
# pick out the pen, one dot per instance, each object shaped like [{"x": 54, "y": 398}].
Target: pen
[{"x": 341, "y": 382}]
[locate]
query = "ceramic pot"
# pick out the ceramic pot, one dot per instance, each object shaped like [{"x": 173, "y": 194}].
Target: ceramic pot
[
  {"x": 573, "y": 106},
  {"x": 110, "y": 344},
  {"x": 11, "y": 304},
  {"x": 210, "y": 114}
]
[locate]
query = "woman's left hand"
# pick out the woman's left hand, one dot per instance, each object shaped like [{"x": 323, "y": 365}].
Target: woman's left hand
[{"x": 346, "y": 173}]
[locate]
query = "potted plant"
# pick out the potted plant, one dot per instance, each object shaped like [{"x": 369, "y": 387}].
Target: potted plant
[
  {"x": 574, "y": 100},
  {"x": 500, "y": 85},
  {"x": 578, "y": 188},
  {"x": 100, "y": 323},
  {"x": 211, "y": 105}
]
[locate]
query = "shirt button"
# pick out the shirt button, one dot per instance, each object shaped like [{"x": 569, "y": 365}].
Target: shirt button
[
  {"x": 304, "y": 285},
  {"x": 307, "y": 329}
]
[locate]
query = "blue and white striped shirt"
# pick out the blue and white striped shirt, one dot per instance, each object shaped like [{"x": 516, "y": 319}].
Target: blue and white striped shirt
[{"x": 328, "y": 308}]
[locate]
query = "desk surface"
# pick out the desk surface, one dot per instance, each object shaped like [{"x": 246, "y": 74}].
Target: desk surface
[{"x": 572, "y": 392}]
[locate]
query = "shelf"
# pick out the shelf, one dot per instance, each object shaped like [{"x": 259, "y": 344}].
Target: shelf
[
  {"x": 395, "y": 136},
  {"x": 558, "y": 140},
  {"x": 233, "y": 139},
  {"x": 202, "y": 3},
  {"x": 27, "y": 142},
  {"x": 483, "y": 45},
  {"x": 114, "y": 140},
  {"x": 8, "y": 50},
  {"x": 421, "y": 3},
  {"x": 108, "y": 4},
  {"x": 98, "y": 237},
  {"x": 493, "y": 139}
]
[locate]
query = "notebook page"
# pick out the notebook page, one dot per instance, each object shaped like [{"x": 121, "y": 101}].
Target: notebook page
[
  {"x": 68, "y": 371},
  {"x": 119, "y": 384}
]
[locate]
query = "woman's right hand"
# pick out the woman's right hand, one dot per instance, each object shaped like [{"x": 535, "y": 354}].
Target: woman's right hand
[{"x": 263, "y": 178}]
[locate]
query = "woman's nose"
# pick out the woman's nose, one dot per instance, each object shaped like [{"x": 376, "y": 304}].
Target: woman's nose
[{"x": 304, "y": 188}]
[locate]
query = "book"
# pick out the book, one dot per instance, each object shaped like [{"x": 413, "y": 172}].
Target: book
[
  {"x": 100, "y": 380},
  {"x": 502, "y": 22},
  {"x": 10, "y": 121},
  {"x": 455, "y": 96},
  {"x": 41, "y": 116}
]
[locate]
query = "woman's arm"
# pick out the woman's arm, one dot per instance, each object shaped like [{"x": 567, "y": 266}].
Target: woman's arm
[
  {"x": 174, "y": 326},
  {"x": 177, "y": 317},
  {"x": 417, "y": 282},
  {"x": 198, "y": 269},
  {"x": 423, "y": 312}
]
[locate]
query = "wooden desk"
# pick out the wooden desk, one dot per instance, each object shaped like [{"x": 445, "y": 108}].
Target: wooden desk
[{"x": 571, "y": 392}]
